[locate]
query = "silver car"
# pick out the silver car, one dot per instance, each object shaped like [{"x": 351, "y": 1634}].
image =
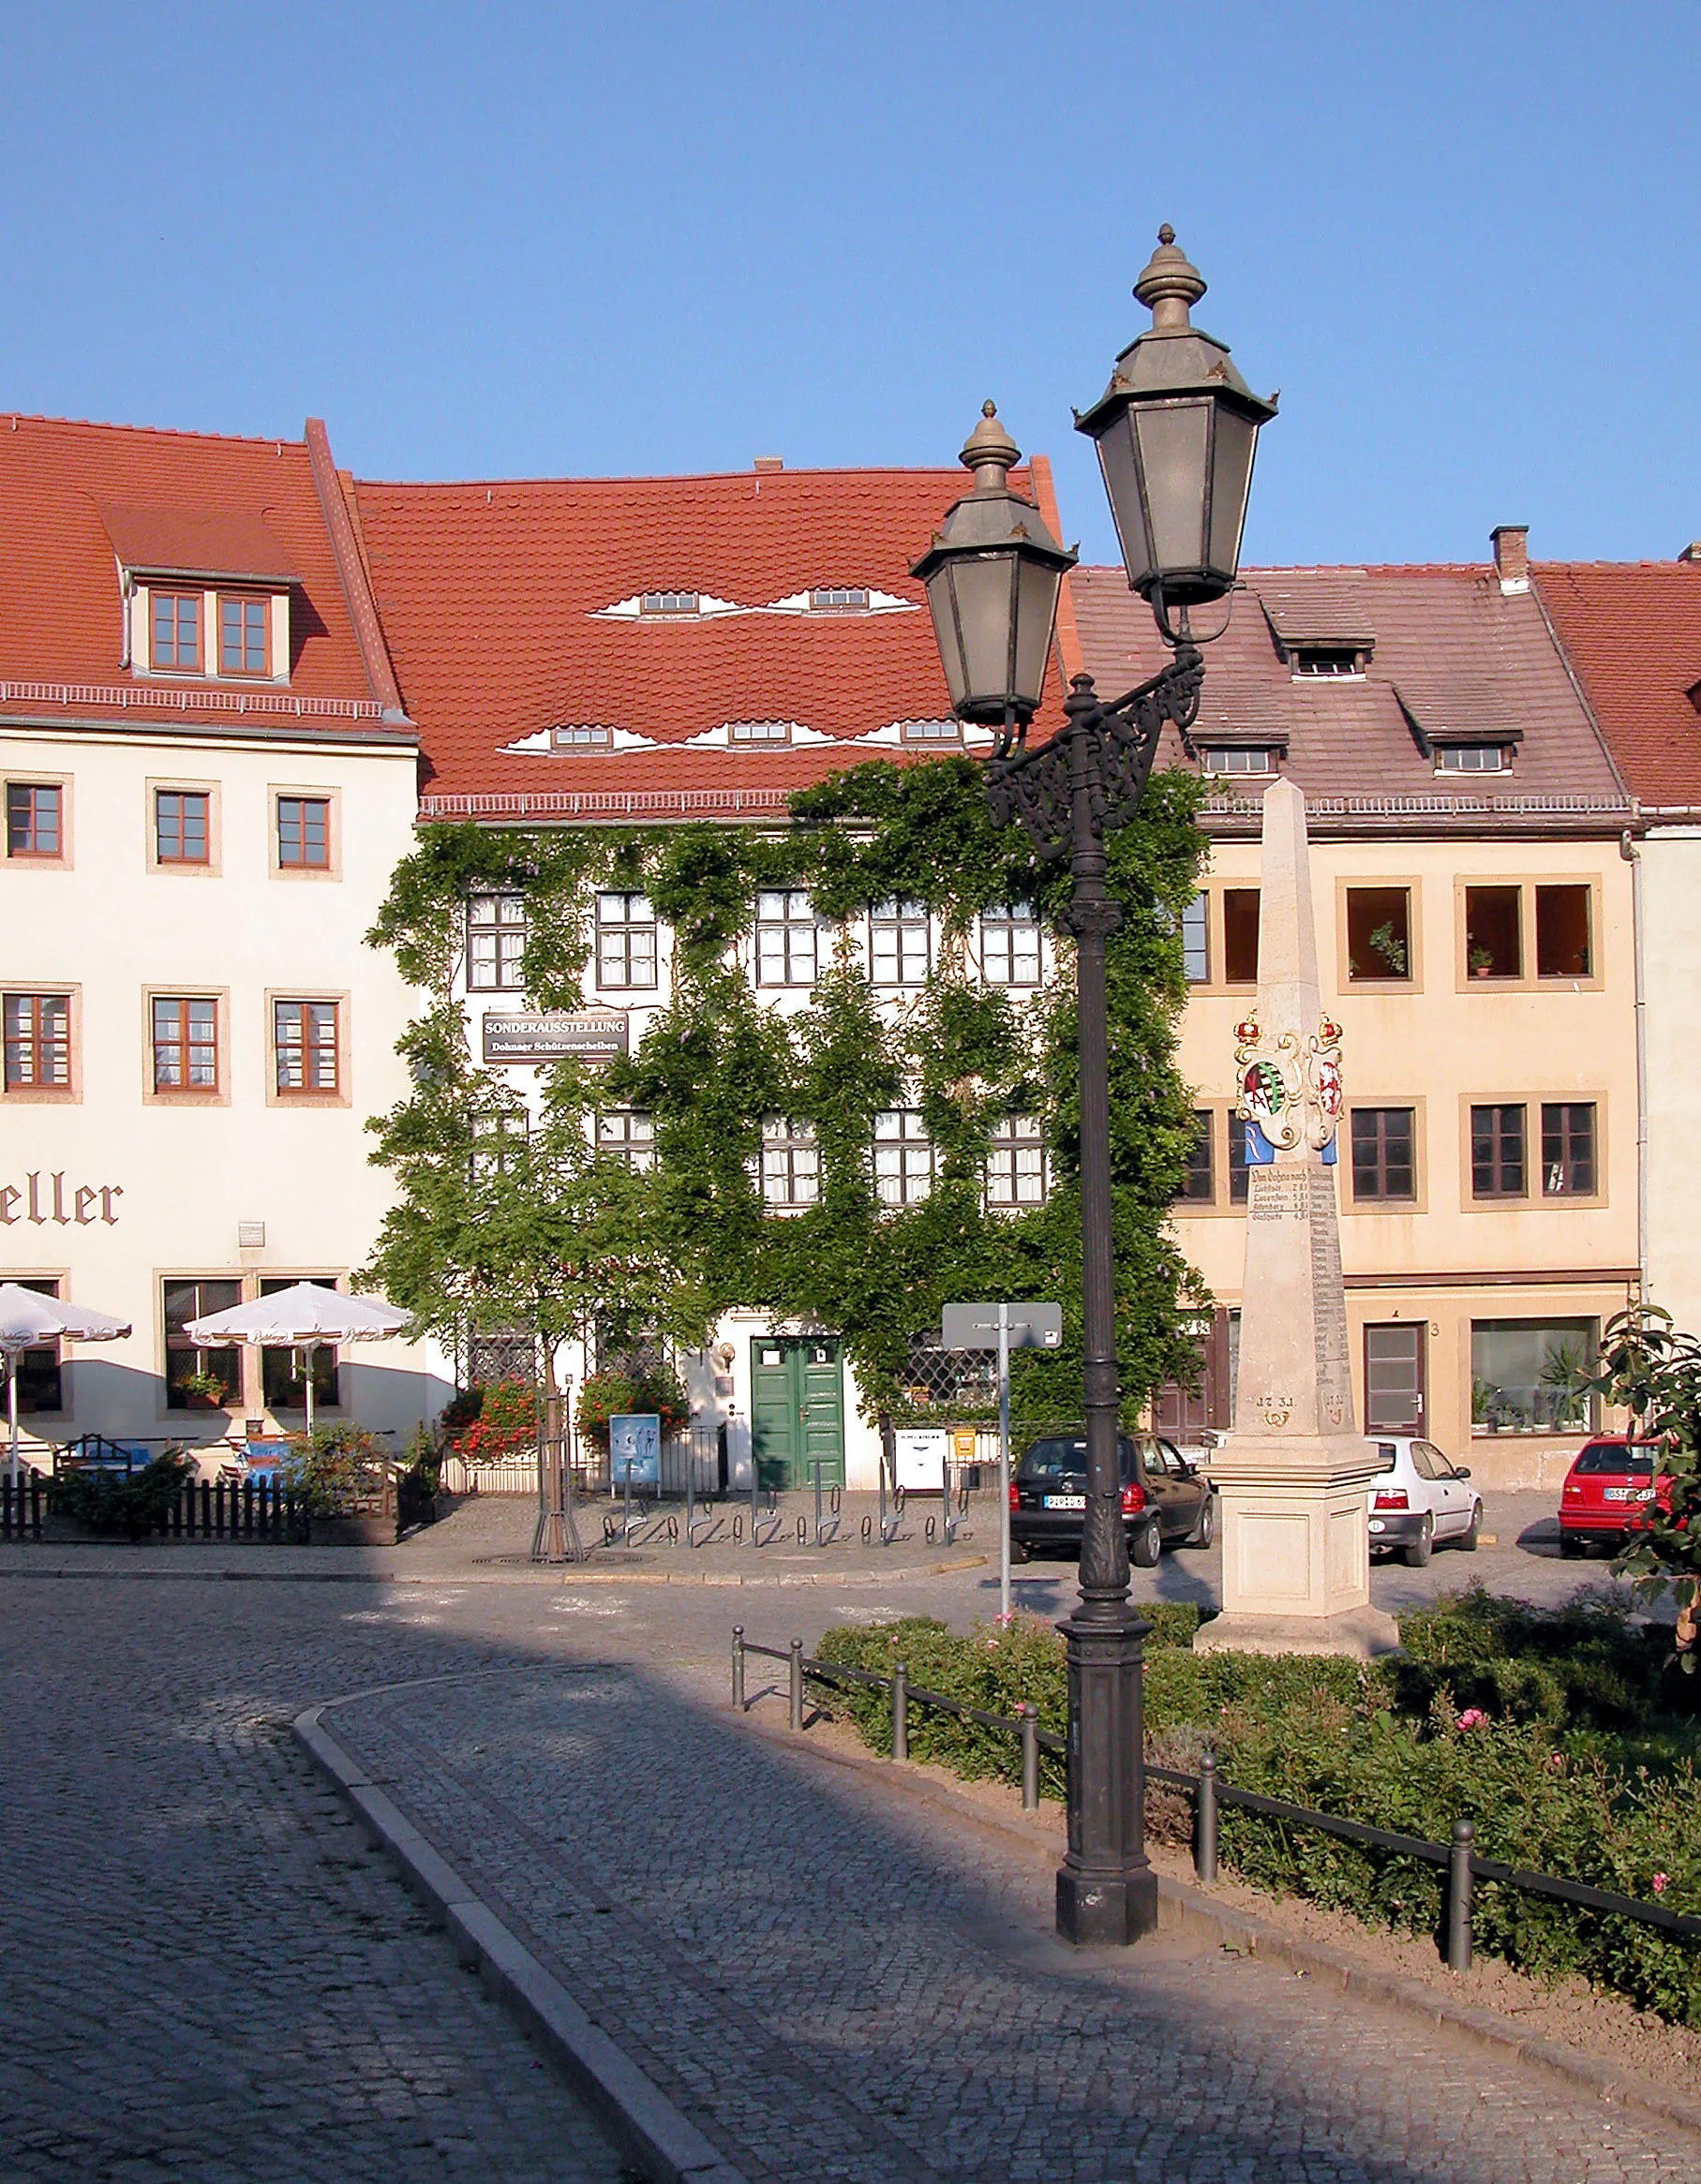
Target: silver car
[{"x": 1421, "y": 1499}]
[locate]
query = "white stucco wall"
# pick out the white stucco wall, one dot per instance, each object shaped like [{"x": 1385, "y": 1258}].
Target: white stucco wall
[
  {"x": 1671, "y": 904},
  {"x": 177, "y": 1176}
]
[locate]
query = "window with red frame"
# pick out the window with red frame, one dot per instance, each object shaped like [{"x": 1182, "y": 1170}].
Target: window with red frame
[
  {"x": 186, "y": 1043},
  {"x": 244, "y": 635},
  {"x": 303, "y": 832},
  {"x": 35, "y": 819},
  {"x": 37, "y": 1041},
  {"x": 304, "y": 1038},
  {"x": 176, "y": 630}
]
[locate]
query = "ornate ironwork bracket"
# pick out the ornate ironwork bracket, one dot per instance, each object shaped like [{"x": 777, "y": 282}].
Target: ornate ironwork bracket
[{"x": 1119, "y": 745}]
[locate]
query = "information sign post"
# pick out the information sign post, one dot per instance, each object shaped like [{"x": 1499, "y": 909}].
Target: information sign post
[{"x": 1003, "y": 1328}]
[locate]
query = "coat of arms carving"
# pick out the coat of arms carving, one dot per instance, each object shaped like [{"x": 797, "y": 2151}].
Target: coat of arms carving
[{"x": 1289, "y": 1086}]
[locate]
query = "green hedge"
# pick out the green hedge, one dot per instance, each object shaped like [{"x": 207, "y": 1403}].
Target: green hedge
[{"x": 1554, "y": 1731}]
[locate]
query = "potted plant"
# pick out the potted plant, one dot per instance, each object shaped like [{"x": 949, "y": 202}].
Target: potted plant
[
  {"x": 204, "y": 1390},
  {"x": 1481, "y": 962}
]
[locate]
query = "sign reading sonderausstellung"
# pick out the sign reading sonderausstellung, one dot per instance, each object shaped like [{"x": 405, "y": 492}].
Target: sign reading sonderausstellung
[{"x": 556, "y": 1035}]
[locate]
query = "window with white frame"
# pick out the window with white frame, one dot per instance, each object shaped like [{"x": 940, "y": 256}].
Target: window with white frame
[
  {"x": 790, "y": 1162},
  {"x": 1016, "y": 1173},
  {"x": 1235, "y": 758},
  {"x": 903, "y": 1157},
  {"x": 626, "y": 940},
  {"x": 498, "y": 1144},
  {"x": 898, "y": 943},
  {"x": 930, "y": 732},
  {"x": 628, "y": 1134},
  {"x": 1009, "y": 945},
  {"x": 1472, "y": 758},
  {"x": 786, "y": 938},
  {"x": 759, "y": 730},
  {"x": 837, "y": 599},
  {"x": 668, "y": 603},
  {"x": 496, "y": 942}
]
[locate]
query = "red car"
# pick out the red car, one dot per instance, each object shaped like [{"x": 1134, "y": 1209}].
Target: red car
[{"x": 1606, "y": 1489}]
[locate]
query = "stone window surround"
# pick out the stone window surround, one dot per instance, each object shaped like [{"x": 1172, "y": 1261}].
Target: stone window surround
[
  {"x": 215, "y": 1095},
  {"x": 1419, "y": 1203},
  {"x": 64, "y": 859},
  {"x": 176, "y": 868},
  {"x": 1527, "y": 982},
  {"x": 1377, "y": 883}
]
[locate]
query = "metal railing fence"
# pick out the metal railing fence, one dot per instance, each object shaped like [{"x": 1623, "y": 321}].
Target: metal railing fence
[{"x": 1463, "y": 1863}]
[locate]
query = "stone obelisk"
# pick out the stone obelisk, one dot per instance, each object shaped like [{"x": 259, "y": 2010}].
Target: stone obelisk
[{"x": 1293, "y": 1477}]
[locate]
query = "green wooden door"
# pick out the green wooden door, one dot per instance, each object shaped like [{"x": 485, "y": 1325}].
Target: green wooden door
[{"x": 797, "y": 1410}]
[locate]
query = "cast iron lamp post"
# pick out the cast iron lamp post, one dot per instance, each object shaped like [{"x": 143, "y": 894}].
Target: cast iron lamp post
[{"x": 1176, "y": 429}]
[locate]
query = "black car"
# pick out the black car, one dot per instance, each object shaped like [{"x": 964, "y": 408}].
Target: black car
[{"x": 1164, "y": 1499}]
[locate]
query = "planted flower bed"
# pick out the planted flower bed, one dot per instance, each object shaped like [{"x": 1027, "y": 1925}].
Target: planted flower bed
[{"x": 1565, "y": 1735}]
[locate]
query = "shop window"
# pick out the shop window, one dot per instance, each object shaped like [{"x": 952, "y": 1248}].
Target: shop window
[
  {"x": 1384, "y": 1163},
  {"x": 38, "y": 1372},
  {"x": 283, "y": 1377},
  {"x": 1240, "y": 936},
  {"x": 1199, "y": 1177},
  {"x": 1569, "y": 1168},
  {"x": 1497, "y": 1152},
  {"x": 197, "y": 1378},
  {"x": 1564, "y": 947},
  {"x": 1532, "y": 1375},
  {"x": 1379, "y": 934},
  {"x": 1494, "y": 937}
]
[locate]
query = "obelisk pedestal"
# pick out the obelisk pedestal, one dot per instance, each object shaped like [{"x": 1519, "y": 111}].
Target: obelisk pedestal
[{"x": 1292, "y": 1479}]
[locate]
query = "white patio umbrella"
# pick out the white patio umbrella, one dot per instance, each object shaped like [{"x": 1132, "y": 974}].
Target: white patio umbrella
[
  {"x": 29, "y": 1320},
  {"x": 303, "y": 1317}
]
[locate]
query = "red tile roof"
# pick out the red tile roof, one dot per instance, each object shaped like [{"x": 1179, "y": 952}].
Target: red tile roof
[
  {"x": 494, "y": 600},
  {"x": 69, "y": 492},
  {"x": 1633, "y": 632},
  {"x": 1451, "y": 656}
]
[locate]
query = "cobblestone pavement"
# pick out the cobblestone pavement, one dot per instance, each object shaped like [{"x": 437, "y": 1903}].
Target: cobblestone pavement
[
  {"x": 208, "y": 1978},
  {"x": 206, "y": 1975}
]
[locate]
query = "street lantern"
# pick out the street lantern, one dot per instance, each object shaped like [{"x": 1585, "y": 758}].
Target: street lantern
[
  {"x": 993, "y": 574},
  {"x": 1175, "y": 431}
]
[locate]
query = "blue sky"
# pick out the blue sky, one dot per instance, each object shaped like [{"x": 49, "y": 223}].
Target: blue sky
[{"x": 510, "y": 239}]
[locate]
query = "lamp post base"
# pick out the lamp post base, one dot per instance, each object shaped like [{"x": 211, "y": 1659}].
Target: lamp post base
[
  {"x": 1106, "y": 1892},
  {"x": 1106, "y": 1910}
]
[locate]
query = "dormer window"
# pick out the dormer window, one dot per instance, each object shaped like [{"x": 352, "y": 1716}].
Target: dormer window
[
  {"x": 837, "y": 599},
  {"x": 1473, "y": 758},
  {"x": 243, "y": 647},
  {"x": 765, "y": 732},
  {"x": 668, "y": 603},
  {"x": 581, "y": 738},
  {"x": 1238, "y": 759},
  {"x": 930, "y": 732},
  {"x": 177, "y": 629},
  {"x": 1325, "y": 661}
]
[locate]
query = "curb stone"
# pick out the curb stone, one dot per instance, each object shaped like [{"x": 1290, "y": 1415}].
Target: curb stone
[
  {"x": 1245, "y": 1933},
  {"x": 520, "y": 1575},
  {"x": 643, "y": 2124}
]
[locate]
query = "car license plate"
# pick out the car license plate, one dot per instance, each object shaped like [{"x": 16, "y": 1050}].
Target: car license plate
[
  {"x": 1628, "y": 1494},
  {"x": 1066, "y": 1501}
]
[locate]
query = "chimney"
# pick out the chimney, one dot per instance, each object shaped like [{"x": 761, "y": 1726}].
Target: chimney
[
  {"x": 1512, "y": 556},
  {"x": 770, "y": 462}
]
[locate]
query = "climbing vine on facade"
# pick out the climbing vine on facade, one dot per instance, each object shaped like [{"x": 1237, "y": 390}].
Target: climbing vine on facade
[{"x": 507, "y": 1220}]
